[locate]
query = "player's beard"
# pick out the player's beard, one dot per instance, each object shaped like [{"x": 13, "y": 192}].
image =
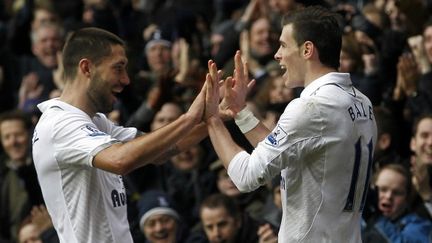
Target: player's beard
[{"x": 99, "y": 94}]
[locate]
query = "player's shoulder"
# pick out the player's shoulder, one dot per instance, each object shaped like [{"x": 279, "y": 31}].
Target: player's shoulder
[{"x": 300, "y": 113}]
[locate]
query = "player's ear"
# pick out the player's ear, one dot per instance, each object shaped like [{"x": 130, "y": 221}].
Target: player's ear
[
  {"x": 85, "y": 67},
  {"x": 307, "y": 50}
]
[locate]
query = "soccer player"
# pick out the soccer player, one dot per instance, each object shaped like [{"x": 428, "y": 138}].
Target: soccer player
[
  {"x": 323, "y": 143},
  {"x": 80, "y": 156}
]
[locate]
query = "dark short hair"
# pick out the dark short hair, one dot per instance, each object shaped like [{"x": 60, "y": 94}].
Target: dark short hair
[
  {"x": 16, "y": 115},
  {"x": 92, "y": 43},
  {"x": 401, "y": 169},
  {"x": 320, "y": 26},
  {"x": 221, "y": 201},
  {"x": 417, "y": 122}
]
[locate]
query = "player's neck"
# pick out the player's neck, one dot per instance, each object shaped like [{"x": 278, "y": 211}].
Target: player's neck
[
  {"x": 315, "y": 71},
  {"x": 75, "y": 95}
]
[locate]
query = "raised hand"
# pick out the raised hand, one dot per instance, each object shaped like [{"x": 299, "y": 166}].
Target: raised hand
[
  {"x": 408, "y": 68},
  {"x": 212, "y": 91},
  {"x": 40, "y": 218},
  {"x": 181, "y": 61},
  {"x": 58, "y": 72},
  {"x": 30, "y": 89},
  {"x": 407, "y": 76},
  {"x": 236, "y": 89},
  {"x": 266, "y": 234},
  {"x": 196, "y": 109},
  {"x": 416, "y": 44},
  {"x": 420, "y": 178}
]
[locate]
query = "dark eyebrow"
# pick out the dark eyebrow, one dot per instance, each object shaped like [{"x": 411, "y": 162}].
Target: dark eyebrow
[{"x": 121, "y": 63}]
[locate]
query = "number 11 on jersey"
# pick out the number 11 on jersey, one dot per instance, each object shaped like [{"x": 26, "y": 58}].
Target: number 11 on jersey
[{"x": 349, "y": 205}]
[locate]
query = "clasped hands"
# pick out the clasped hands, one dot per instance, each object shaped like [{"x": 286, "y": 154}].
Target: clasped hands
[
  {"x": 225, "y": 98},
  {"x": 222, "y": 99}
]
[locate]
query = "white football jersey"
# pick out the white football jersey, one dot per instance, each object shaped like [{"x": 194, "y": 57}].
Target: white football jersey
[
  {"x": 322, "y": 146},
  {"x": 86, "y": 204}
]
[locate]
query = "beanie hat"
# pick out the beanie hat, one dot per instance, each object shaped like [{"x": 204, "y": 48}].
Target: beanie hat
[
  {"x": 154, "y": 202},
  {"x": 158, "y": 37}
]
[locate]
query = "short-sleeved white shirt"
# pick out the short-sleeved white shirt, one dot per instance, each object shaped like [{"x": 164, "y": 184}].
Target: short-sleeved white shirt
[
  {"x": 86, "y": 204},
  {"x": 322, "y": 146}
]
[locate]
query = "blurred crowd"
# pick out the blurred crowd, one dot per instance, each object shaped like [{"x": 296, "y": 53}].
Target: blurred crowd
[{"x": 387, "y": 49}]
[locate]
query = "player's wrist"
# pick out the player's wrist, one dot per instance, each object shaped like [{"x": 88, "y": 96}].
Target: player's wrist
[
  {"x": 245, "y": 120},
  {"x": 209, "y": 118}
]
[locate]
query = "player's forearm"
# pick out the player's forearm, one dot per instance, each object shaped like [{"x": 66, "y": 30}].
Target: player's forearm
[
  {"x": 223, "y": 144},
  {"x": 254, "y": 130},
  {"x": 123, "y": 158},
  {"x": 162, "y": 140},
  {"x": 198, "y": 133},
  {"x": 257, "y": 134}
]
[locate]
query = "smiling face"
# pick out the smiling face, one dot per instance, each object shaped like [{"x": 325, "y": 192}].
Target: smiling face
[
  {"x": 290, "y": 59},
  {"x": 262, "y": 40},
  {"x": 160, "y": 228},
  {"x": 46, "y": 43},
  {"x": 108, "y": 80},
  {"x": 421, "y": 143},
  {"x": 15, "y": 139},
  {"x": 392, "y": 193},
  {"x": 427, "y": 36},
  {"x": 188, "y": 160}
]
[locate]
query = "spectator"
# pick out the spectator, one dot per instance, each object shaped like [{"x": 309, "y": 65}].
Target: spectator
[
  {"x": 222, "y": 221},
  {"x": 19, "y": 187},
  {"x": 159, "y": 220},
  {"x": 153, "y": 176},
  {"x": 421, "y": 162},
  {"x": 188, "y": 181},
  {"x": 28, "y": 233},
  {"x": 352, "y": 61},
  {"x": 396, "y": 222},
  {"x": 37, "y": 72},
  {"x": 397, "y": 77},
  {"x": 272, "y": 99},
  {"x": 251, "y": 202},
  {"x": 154, "y": 82},
  {"x": 272, "y": 210},
  {"x": 413, "y": 89},
  {"x": 38, "y": 227},
  {"x": 258, "y": 44},
  {"x": 389, "y": 146}
]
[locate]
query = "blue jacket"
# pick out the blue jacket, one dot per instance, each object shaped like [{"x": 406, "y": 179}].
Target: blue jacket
[{"x": 407, "y": 229}]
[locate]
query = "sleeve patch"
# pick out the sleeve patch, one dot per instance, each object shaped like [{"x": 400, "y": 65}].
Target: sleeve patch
[
  {"x": 92, "y": 132},
  {"x": 277, "y": 135}
]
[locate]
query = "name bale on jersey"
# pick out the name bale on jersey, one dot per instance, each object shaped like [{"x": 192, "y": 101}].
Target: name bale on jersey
[{"x": 360, "y": 111}]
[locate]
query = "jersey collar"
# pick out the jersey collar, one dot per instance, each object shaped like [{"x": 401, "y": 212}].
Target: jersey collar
[{"x": 341, "y": 79}]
